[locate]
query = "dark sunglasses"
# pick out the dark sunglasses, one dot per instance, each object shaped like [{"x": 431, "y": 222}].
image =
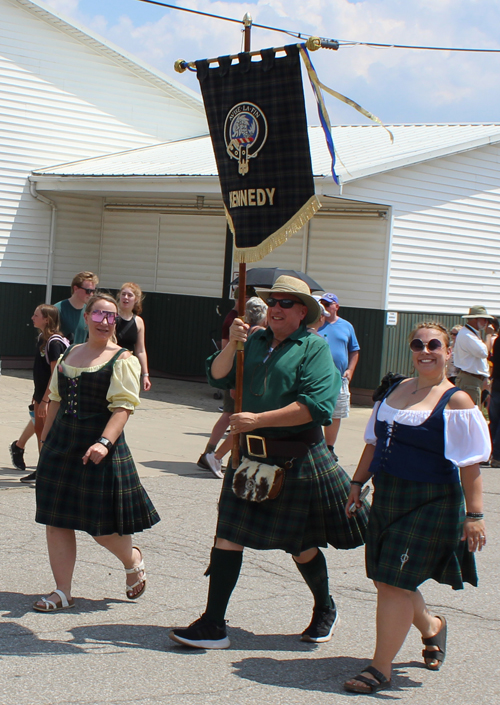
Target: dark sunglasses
[
  {"x": 99, "y": 316},
  {"x": 283, "y": 303},
  {"x": 89, "y": 291},
  {"x": 326, "y": 304},
  {"x": 418, "y": 345}
]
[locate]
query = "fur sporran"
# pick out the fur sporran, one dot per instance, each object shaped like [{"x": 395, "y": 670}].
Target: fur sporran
[{"x": 256, "y": 482}]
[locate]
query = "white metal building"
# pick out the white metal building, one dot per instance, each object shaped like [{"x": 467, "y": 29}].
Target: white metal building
[
  {"x": 66, "y": 95},
  {"x": 414, "y": 227},
  {"x": 132, "y": 193}
]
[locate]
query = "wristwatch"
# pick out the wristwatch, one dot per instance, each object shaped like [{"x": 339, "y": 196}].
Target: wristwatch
[{"x": 105, "y": 442}]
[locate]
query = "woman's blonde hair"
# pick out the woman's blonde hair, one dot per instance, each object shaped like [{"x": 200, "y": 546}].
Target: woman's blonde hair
[
  {"x": 435, "y": 325},
  {"x": 102, "y": 296},
  {"x": 51, "y": 313},
  {"x": 99, "y": 296},
  {"x": 139, "y": 296}
]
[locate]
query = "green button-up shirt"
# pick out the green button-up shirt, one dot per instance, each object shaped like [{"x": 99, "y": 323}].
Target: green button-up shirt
[{"x": 299, "y": 369}]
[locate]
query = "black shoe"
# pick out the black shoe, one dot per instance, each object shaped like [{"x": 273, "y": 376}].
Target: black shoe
[
  {"x": 202, "y": 634},
  {"x": 29, "y": 478},
  {"x": 323, "y": 624},
  {"x": 17, "y": 455},
  {"x": 202, "y": 462}
]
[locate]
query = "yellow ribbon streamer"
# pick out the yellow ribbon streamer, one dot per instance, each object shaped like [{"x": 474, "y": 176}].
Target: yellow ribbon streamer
[{"x": 314, "y": 78}]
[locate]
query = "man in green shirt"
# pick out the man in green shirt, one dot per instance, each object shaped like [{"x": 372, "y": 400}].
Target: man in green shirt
[
  {"x": 289, "y": 391},
  {"x": 72, "y": 322}
]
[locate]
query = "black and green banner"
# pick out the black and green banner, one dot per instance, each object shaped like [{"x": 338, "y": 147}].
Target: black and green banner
[{"x": 257, "y": 120}]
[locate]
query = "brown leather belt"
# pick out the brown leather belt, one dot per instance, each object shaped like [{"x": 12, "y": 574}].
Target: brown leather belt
[
  {"x": 295, "y": 446},
  {"x": 471, "y": 374}
]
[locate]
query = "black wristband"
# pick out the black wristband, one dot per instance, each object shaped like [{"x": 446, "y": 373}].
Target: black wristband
[
  {"x": 355, "y": 482},
  {"x": 474, "y": 515},
  {"x": 105, "y": 442}
]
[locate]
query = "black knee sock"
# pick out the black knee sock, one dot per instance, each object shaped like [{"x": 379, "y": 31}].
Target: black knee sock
[
  {"x": 315, "y": 574},
  {"x": 224, "y": 572}
]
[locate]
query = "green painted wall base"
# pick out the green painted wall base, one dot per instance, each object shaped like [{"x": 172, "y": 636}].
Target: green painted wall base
[{"x": 180, "y": 331}]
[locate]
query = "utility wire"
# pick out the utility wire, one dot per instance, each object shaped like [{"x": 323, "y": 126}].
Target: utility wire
[
  {"x": 303, "y": 35},
  {"x": 344, "y": 43}
]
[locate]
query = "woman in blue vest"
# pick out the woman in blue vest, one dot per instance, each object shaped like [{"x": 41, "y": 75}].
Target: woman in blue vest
[{"x": 424, "y": 442}]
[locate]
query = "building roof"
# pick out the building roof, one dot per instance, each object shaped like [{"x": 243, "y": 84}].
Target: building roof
[
  {"x": 362, "y": 150},
  {"x": 119, "y": 56}
]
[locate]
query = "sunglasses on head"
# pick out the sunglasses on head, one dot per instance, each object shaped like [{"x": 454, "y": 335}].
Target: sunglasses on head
[
  {"x": 418, "y": 345},
  {"x": 89, "y": 291},
  {"x": 284, "y": 303},
  {"x": 99, "y": 316}
]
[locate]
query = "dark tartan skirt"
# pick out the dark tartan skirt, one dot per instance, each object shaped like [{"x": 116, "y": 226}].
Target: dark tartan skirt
[
  {"x": 414, "y": 534},
  {"x": 101, "y": 499},
  {"x": 309, "y": 511}
]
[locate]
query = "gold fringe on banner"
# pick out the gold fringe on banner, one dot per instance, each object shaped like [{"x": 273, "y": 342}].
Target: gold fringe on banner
[{"x": 254, "y": 254}]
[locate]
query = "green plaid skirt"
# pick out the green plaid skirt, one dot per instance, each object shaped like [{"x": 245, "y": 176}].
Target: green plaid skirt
[
  {"x": 309, "y": 511},
  {"x": 414, "y": 534},
  {"x": 101, "y": 499}
]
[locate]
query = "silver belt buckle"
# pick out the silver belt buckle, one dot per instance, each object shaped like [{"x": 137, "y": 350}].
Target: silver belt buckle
[{"x": 254, "y": 444}]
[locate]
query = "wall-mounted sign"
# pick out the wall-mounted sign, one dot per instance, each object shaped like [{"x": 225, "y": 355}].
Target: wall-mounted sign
[{"x": 392, "y": 318}]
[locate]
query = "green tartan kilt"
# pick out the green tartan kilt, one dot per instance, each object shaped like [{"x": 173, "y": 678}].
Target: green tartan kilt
[
  {"x": 414, "y": 534},
  {"x": 101, "y": 499},
  {"x": 309, "y": 511}
]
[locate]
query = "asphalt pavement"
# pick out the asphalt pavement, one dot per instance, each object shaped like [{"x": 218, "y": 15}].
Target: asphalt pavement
[{"x": 111, "y": 651}]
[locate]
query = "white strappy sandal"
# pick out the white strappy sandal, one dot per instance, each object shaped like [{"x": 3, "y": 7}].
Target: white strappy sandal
[
  {"x": 50, "y": 606},
  {"x": 142, "y": 581}
]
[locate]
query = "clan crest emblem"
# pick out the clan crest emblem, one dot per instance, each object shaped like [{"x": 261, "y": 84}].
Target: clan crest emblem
[{"x": 245, "y": 133}]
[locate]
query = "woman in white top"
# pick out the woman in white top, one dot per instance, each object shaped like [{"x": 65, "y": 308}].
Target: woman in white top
[
  {"x": 86, "y": 477},
  {"x": 424, "y": 443}
]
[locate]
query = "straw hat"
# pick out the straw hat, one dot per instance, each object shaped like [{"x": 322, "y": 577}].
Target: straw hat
[
  {"x": 478, "y": 312},
  {"x": 297, "y": 287}
]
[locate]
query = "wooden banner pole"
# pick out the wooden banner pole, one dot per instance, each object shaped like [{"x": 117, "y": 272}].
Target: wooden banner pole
[{"x": 242, "y": 282}]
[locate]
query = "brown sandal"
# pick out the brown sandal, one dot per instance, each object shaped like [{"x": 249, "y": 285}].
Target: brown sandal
[
  {"x": 380, "y": 682},
  {"x": 438, "y": 640}
]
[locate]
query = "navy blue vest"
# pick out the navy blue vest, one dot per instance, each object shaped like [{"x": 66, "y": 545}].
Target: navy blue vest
[{"x": 415, "y": 452}]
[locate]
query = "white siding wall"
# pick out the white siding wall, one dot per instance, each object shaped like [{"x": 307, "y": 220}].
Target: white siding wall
[
  {"x": 191, "y": 254},
  {"x": 346, "y": 256},
  {"x": 446, "y": 231},
  {"x": 62, "y": 101},
  {"x": 78, "y": 236},
  {"x": 177, "y": 254},
  {"x": 287, "y": 256}
]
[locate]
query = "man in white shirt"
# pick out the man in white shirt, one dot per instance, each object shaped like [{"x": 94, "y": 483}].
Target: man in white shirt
[{"x": 471, "y": 354}]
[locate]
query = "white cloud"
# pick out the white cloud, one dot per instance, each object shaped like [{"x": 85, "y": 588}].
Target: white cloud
[{"x": 398, "y": 85}]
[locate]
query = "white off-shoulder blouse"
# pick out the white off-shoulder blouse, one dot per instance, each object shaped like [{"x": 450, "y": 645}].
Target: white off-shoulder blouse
[
  {"x": 466, "y": 436},
  {"x": 123, "y": 391}
]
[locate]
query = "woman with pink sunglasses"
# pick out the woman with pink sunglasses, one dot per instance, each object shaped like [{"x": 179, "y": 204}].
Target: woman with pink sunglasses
[{"x": 86, "y": 477}]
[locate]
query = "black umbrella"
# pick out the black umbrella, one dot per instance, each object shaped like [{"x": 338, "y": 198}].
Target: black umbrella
[{"x": 264, "y": 277}]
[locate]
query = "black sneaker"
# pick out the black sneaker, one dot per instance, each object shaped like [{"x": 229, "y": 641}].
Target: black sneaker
[
  {"x": 17, "y": 455},
  {"x": 29, "y": 478},
  {"x": 202, "y": 634},
  {"x": 323, "y": 624},
  {"x": 202, "y": 462}
]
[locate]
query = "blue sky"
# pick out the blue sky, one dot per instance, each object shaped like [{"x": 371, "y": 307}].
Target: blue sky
[{"x": 400, "y": 86}]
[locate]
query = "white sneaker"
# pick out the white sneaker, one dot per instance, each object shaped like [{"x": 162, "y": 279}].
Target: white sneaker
[{"x": 214, "y": 464}]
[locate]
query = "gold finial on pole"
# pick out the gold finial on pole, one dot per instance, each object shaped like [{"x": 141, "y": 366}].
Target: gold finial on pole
[{"x": 180, "y": 66}]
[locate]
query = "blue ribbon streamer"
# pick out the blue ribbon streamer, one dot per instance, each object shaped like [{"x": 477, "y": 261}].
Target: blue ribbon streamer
[{"x": 324, "y": 118}]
